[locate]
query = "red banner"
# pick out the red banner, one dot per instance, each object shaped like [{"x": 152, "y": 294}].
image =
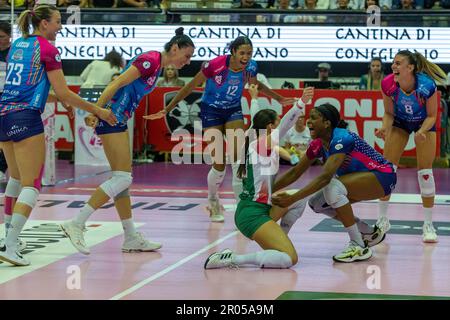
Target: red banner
[{"x": 363, "y": 110}]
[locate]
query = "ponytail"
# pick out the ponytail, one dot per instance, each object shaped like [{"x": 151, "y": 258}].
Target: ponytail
[
  {"x": 430, "y": 68},
  {"x": 34, "y": 17}
]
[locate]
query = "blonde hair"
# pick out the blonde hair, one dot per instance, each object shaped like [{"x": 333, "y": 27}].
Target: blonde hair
[
  {"x": 34, "y": 17},
  {"x": 421, "y": 64},
  {"x": 175, "y": 77}
]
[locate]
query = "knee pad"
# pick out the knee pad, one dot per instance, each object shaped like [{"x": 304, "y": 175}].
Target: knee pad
[
  {"x": 318, "y": 204},
  {"x": 28, "y": 196},
  {"x": 335, "y": 194},
  {"x": 426, "y": 182},
  {"x": 276, "y": 259},
  {"x": 13, "y": 188},
  {"x": 122, "y": 194},
  {"x": 119, "y": 181}
]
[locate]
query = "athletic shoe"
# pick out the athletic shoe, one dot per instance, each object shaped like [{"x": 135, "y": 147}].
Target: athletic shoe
[
  {"x": 137, "y": 243},
  {"x": 383, "y": 224},
  {"x": 22, "y": 245},
  {"x": 374, "y": 238},
  {"x": 13, "y": 257},
  {"x": 429, "y": 233},
  {"x": 222, "y": 259},
  {"x": 353, "y": 252},
  {"x": 215, "y": 211},
  {"x": 74, "y": 232}
]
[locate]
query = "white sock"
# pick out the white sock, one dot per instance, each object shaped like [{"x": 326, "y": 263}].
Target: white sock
[
  {"x": 128, "y": 228},
  {"x": 355, "y": 235},
  {"x": 236, "y": 182},
  {"x": 364, "y": 226},
  {"x": 17, "y": 223},
  {"x": 215, "y": 178},
  {"x": 264, "y": 259},
  {"x": 428, "y": 214},
  {"x": 293, "y": 214},
  {"x": 382, "y": 208},
  {"x": 7, "y": 222},
  {"x": 83, "y": 215}
]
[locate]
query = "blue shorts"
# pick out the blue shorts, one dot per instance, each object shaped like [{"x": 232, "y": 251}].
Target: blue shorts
[
  {"x": 104, "y": 127},
  {"x": 19, "y": 125},
  {"x": 409, "y": 126},
  {"x": 387, "y": 181},
  {"x": 215, "y": 116}
]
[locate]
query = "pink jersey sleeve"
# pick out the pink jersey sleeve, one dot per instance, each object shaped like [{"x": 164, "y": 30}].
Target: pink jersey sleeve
[
  {"x": 50, "y": 57},
  {"x": 148, "y": 63},
  {"x": 215, "y": 66},
  {"x": 314, "y": 149},
  {"x": 388, "y": 85}
]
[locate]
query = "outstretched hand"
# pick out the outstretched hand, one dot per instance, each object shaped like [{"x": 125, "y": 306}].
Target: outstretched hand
[
  {"x": 154, "y": 116},
  {"x": 282, "y": 199}
]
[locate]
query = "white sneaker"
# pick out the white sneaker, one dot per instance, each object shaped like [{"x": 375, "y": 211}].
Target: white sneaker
[
  {"x": 74, "y": 232},
  {"x": 222, "y": 259},
  {"x": 138, "y": 243},
  {"x": 12, "y": 257},
  {"x": 384, "y": 224},
  {"x": 353, "y": 252},
  {"x": 429, "y": 233},
  {"x": 215, "y": 211},
  {"x": 22, "y": 245},
  {"x": 374, "y": 238}
]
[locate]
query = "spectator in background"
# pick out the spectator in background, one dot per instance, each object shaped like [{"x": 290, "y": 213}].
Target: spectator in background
[
  {"x": 324, "y": 71},
  {"x": 99, "y": 72},
  {"x": 132, "y": 4},
  {"x": 295, "y": 142},
  {"x": 250, "y": 4},
  {"x": 5, "y": 39},
  {"x": 372, "y": 80},
  {"x": 170, "y": 78},
  {"x": 407, "y": 4},
  {"x": 303, "y": 4}
]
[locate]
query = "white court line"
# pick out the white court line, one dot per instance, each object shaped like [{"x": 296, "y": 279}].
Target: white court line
[{"x": 172, "y": 267}]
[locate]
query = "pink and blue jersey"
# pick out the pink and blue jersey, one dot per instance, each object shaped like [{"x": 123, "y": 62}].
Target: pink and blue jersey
[
  {"x": 410, "y": 108},
  {"x": 126, "y": 100},
  {"x": 224, "y": 86},
  {"x": 359, "y": 157},
  {"x": 26, "y": 84}
]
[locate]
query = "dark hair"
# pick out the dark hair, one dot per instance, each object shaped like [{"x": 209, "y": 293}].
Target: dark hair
[
  {"x": 180, "y": 39},
  {"x": 5, "y": 27},
  {"x": 114, "y": 58},
  {"x": 260, "y": 121},
  {"x": 34, "y": 17},
  {"x": 239, "y": 41},
  {"x": 421, "y": 64},
  {"x": 330, "y": 113}
]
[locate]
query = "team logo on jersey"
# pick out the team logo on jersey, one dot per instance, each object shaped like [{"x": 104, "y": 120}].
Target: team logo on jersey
[
  {"x": 58, "y": 57},
  {"x": 218, "y": 79},
  {"x": 151, "y": 80},
  {"x": 18, "y": 55},
  {"x": 339, "y": 146},
  {"x": 146, "y": 64}
]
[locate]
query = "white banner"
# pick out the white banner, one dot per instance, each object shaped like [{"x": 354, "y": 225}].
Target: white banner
[
  {"x": 271, "y": 43},
  {"x": 88, "y": 145},
  {"x": 48, "y": 118}
]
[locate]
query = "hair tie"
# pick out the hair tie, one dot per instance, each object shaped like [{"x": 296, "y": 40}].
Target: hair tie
[{"x": 32, "y": 13}]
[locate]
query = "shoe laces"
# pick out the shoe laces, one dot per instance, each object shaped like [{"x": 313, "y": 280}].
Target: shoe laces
[{"x": 428, "y": 228}]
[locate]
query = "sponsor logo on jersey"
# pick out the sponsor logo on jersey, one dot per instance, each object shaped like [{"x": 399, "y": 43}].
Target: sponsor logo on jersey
[
  {"x": 146, "y": 65},
  {"x": 58, "y": 57},
  {"x": 18, "y": 55}
]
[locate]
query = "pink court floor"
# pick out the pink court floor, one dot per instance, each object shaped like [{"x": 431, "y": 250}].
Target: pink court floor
[{"x": 169, "y": 207}]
